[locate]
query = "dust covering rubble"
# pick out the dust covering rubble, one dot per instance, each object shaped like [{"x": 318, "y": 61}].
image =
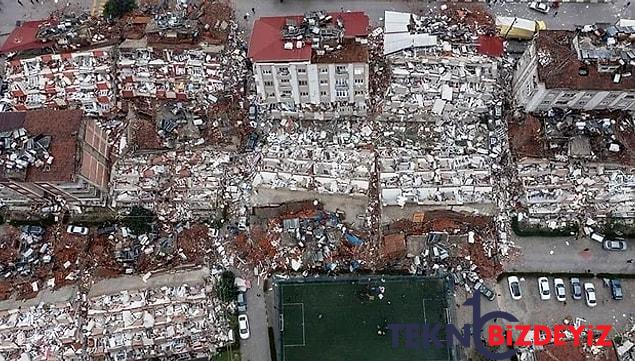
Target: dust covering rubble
[
  {"x": 82, "y": 79},
  {"x": 155, "y": 317}
]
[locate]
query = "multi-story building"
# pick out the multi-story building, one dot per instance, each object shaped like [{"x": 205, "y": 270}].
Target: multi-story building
[
  {"x": 316, "y": 59},
  {"x": 52, "y": 155},
  {"x": 588, "y": 69}
]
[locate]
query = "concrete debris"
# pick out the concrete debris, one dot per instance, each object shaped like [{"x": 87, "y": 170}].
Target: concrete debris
[{"x": 70, "y": 80}]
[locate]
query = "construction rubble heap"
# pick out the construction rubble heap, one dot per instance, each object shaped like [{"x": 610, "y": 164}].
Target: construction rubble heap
[
  {"x": 82, "y": 79},
  {"x": 20, "y": 150}
]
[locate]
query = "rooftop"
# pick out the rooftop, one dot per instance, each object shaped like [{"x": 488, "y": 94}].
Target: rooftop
[
  {"x": 559, "y": 66},
  {"x": 267, "y": 42},
  {"x": 24, "y": 37},
  {"x": 570, "y": 352},
  {"x": 62, "y": 126}
]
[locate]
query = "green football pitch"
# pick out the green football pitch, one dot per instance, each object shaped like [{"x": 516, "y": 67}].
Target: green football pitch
[{"x": 337, "y": 320}]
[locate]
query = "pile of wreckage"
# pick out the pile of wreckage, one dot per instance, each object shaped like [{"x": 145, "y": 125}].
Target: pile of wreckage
[
  {"x": 141, "y": 324},
  {"x": 32, "y": 249},
  {"x": 81, "y": 79},
  {"x": 177, "y": 185},
  {"x": 70, "y": 32},
  {"x": 612, "y": 48},
  {"x": 20, "y": 150},
  {"x": 168, "y": 315},
  {"x": 586, "y": 169},
  {"x": 310, "y": 162},
  {"x": 432, "y": 76}
]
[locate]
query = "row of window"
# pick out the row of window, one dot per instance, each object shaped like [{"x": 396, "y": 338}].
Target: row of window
[
  {"x": 338, "y": 82},
  {"x": 343, "y": 93},
  {"x": 283, "y": 69}
]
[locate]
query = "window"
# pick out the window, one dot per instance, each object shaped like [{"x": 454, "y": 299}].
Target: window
[
  {"x": 359, "y": 80},
  {"x": 324, "y": 81},
  {"x": 283, "y": 80},
  {"x": 286, "y": 93},
  {"x": 359, "y": 92},
  {"x": 301, "y": 71},
  {"x": 271, "y": 95},
  {"x": 268, "y": 83},
  {"x": 341, "y": 82},
  {"x": 304, "y": 94},
  {"x": 302, "y": 82},
  {"x": 283, "y": 69},
  {"x": 568, "y": 95},
  {"x": 324, "y": 70},
  {"x": 342, "y": 93},
  {"x": 266, "y": 70},
  {"x": 340, "y": 69},
  {"x": 323, "y": 93}
]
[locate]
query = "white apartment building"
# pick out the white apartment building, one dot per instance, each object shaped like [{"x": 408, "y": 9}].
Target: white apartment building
[
  {"x": 589, "y": 69},
  {"x": 317, "y": 59}
]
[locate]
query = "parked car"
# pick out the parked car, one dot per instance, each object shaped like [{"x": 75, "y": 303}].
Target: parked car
[
  {"x": 543, "y": 285},
  {"x": 614, "y": 245},
  {"x": 34, "y": 230},
  {"x": 589, "y": 292},
  {"x": 514, "y": 287},
  {"x": 616, "y": 289},
  {"x": 82, "y": 231},
  {"x": 241, "y": 302},
  {"x": 108, "y": 229},
  {"x": 253, "y": 112},
  {"x": 485, "y": 291},
  {"x": 559, "y": 289},
  {"x": 539, "y": 6},
  {"x": 576, "y": 288},
  {"x": 243, "y": 326}
]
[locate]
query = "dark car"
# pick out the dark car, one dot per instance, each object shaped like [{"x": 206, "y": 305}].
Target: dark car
[
  {"x": 34, "y": 230},
  {"x": 486, "y": 292},
  {"x": 616, "y": 289},
  {"x": 241, "y": 302},
  {"x": 108, "y": 229},
  {"x": 576, "y": 288}
]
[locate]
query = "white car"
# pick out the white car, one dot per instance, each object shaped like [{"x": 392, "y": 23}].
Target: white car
[
  {"x": 589, "y": 292},
  {"x": 539, "y": 6},
  {"x": 559, "y": 289},
  {"x": 543, "y": 286},
  {"x": 82, "y": 231},
  {"x": 243, "y": 326},
  {"x": 514, "y": 287}
]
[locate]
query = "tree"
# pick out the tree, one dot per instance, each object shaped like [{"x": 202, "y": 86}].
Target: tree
[
  {"x": 117, "y": 8},
  {"x": 225, "y": 288},
  {"x": 139, "y": 220}
]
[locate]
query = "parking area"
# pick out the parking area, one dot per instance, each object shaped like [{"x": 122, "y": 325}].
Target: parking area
[{"x": 531, "y": 309}]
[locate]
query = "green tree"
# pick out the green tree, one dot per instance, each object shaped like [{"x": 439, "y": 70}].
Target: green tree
[
  {"x": 139, "y": 220},
  {"x": 118, "y": 8},
  {"x": 225, "y": 288}
]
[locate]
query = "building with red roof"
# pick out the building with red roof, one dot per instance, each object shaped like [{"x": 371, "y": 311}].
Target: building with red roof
[
  {"x": 317, "y": 58},
  {"x": 24, "y": 38}
]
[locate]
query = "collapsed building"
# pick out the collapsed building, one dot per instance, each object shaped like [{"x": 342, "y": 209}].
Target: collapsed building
[
  {"x": 317, "y": 62},
  {"x": 590, "y": 68},
  {"x": 79, "y": 80},
  {"x": 53, "y": 156},
  {"x": 175, "y": 315},
  {"x": 443, "y": 94}
]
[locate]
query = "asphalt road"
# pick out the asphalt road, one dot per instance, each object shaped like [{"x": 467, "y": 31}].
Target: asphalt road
[
  {"x": 567, "y": 254},
  {"x": 256, "y": 348}
]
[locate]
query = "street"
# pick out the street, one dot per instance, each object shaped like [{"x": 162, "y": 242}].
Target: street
[
  {"x": 568, "y": 255},
  {"x": 256, "y": 348}
]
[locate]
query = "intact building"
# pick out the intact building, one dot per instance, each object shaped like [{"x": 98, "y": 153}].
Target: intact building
[
  {"x": 318, "y": 58},
  {"x": 588, "y": 69},
  {"x": 52, "y": 155}
]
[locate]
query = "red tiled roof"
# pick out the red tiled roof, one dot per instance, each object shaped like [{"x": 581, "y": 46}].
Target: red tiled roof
[
  {"x": 490, "y": 45},
  {"x": 23, "y": 37},
  {"x": 266, "y": 43}
]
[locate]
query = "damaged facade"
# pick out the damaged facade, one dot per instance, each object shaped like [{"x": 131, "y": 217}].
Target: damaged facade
[
  {"x": 80, "y": 80},
  {"x": 586, "y": 69},
  {"x": 316, "y": 59},
  {"x": 50, "y": 156}
]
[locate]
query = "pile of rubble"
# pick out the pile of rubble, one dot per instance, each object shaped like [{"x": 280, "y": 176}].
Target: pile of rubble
[
  {"x": 33, "y": 250},
  {"x": 177, "y": 185},
  {"x": 137, "y": 324},
  {"x": 70, "y": 31},
  {"x": 308, "y": 161},
  {"x": 20, "y": 150},
  {"x": 78, "y": 80}
]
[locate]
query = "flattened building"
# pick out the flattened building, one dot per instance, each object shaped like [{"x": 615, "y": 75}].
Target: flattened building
[
  {"x": 52, "y": 155},
  {"x": 317, "y": 58}
]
